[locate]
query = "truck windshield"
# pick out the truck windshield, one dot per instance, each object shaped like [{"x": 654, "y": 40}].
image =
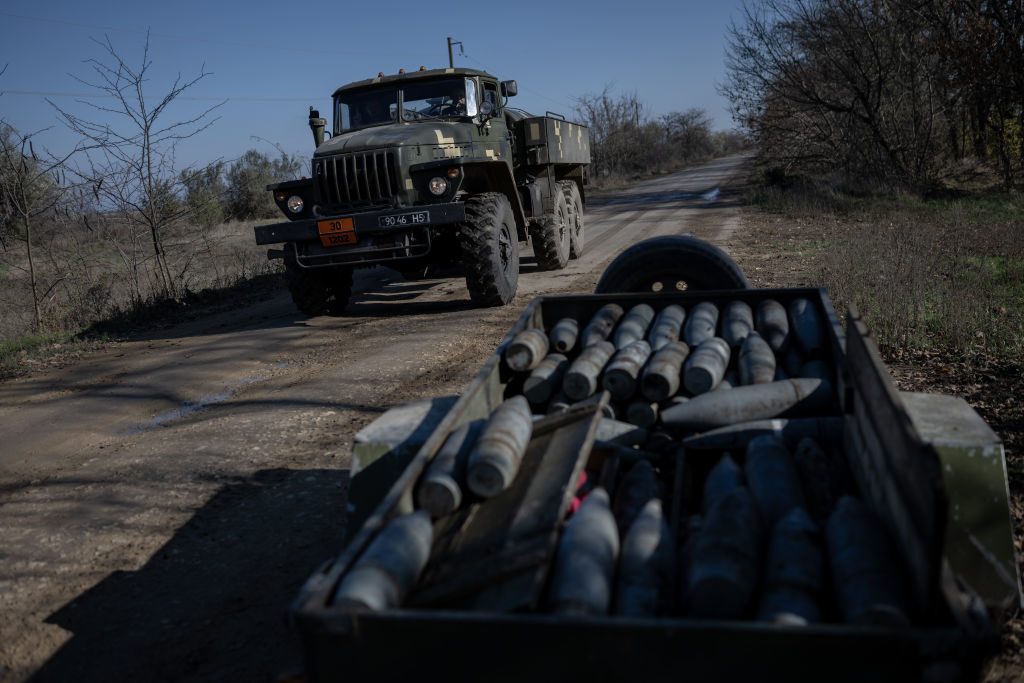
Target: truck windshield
[{"x": 449, "y": 98}]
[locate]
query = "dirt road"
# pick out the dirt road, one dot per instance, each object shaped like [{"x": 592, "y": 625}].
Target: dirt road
[{"x": 162, "y": 501}]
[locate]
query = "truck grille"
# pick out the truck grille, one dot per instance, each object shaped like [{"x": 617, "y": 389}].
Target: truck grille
[{"x": 361, "y": 180}]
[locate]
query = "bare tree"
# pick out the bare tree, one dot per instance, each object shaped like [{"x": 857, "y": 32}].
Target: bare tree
[{"x": 130, "y": 149}]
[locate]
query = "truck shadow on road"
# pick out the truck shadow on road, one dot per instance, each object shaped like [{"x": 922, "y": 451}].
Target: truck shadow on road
[{"x": 211, "y": 604}]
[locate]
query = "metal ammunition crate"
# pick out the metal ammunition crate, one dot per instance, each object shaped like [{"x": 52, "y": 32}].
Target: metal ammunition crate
[{"x": 474, "y": 614}]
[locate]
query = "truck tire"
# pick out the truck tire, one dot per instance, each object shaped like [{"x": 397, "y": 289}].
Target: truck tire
[
  {"x": 670, "y": 263},
  {"x": 319, "y": 291},
  {"x": 551, "y": 236},
  {"x": 490, "y": 249},
  {"x": 575, "y": 203}
]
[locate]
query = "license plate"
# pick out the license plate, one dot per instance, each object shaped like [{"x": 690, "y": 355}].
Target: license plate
[
  {"x": 403, "y": 220},
  {"x": 337, "y": 232}
]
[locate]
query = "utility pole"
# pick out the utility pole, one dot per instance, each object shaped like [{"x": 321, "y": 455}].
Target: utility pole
[{"x": 451, "y": 62}]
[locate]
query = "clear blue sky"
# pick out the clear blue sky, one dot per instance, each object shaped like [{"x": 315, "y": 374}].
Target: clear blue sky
[{"x": 272, "y": 60}]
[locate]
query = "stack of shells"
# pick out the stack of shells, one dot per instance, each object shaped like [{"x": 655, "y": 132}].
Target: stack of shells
[{"x": 777, "y": 537}]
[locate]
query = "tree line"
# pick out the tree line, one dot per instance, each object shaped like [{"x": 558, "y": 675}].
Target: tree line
[{"x": 909, "y": 94}]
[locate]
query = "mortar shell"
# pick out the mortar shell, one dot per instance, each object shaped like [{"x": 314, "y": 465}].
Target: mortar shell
[
  {"x": 383, "y": 575},
  {"x": 563, "y": 335},
  {"x": 667, "y": 326},
  {"x": 620, "y": 377},
  {"x": 756, "y": 363},
  {"x": 788, "y": 398},
  {"x": 701, "y": 323},
  {"x": 737, "y": 322},
  {"x": 440, "y": 490},
  {"x": 661, "y": 377},
  {"x": 772, "y": 323},
  {"x": 602, "y": 324},
  {"x": 772, "y": 478},
  {"x": 526, "y": 350},
  {"x": 581, "y": 379},
  {"x": 634, "y": 325},
  {"x": 794, "y": 571},
  {"x": 706, "y": 366},
  {"x": 494, "y": 461},
  {"x": 581, "y": 582},
  {"x": 546, "y": 378},
  {"x": 643, "y": 564}
]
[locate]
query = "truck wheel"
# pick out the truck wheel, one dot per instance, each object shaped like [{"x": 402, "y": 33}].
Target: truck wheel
[
  {"x": 319, "y": 291},
  {"x": 671, "y": 263},
  {"x": 551, "y": 236},
  {"x": 490, "y": 249},
  {"x": 575, "y": 203}
]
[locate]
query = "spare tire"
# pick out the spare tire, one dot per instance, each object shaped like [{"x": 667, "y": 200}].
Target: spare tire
[{"x": 671, "y": 263}]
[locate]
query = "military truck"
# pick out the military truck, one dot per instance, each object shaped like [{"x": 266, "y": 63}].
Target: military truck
[{"x": 427, "y": 168}]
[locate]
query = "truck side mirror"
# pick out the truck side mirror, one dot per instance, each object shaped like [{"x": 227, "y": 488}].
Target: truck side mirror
[
  {"x": 317, "y": 125},
  {"x": 509, "y": 89}
]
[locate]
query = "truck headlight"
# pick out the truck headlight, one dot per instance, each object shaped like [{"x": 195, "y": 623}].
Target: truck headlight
[
  {"x": 438, "y": 186},
  {"x": 295, "y": 204}
]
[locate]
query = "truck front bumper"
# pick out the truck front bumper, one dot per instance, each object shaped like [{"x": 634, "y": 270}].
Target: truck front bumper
[{"x": 365, "y": 224}]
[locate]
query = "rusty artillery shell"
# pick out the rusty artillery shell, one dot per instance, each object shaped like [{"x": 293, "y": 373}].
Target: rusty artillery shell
[
  {"x": 581, "y": 581},
  {"x": 706, "y": 366},
  {"x": 642, "y": 576},
  {"x": 383, "y": 575},
  {"x": 661, "y": 377},
  {"x": 772, "y": 322},
  {"x": 737, "y": 322},
  {"x": 701, "y": 323},
  {"x": 581, "y": 378},
  {"x": 737, "y": 436},
  {"x": 723, "y": 477},
  {"x": 667, "y": 326},
  {"x": 526, "y": 350},
  {"x": 636, "y": 488},
  {"x": 546, "y": 378},
  {"x": 634, "y": 325},
  {"x": 756, "y": 363},
  {"x": 602, "y": 324},
  {"x": 794, "y": 572},
  {"x": 869, "y": 583},
  {"x": 807, "y": 327},
  {"x": 440, "y": 490},
  {"x": 723, "y": 566},
  {"x": 788, "y": 398},
  {"x": 620, "y": 377},
  {"x": 642, "y": 413},
  {"x": 562, "y": 336},
  {"x": 495, "y": 459},
  {"x": 772, "y": 478}
]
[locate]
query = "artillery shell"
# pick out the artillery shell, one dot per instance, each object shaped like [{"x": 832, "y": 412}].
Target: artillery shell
[
  {"x": 620, "y": 377},
  {"x": 701, "y": 323},
  {"x": 723, "y": 477},
  {"x": 737, "y": 322},
  {"x": 788, "y": 398},
  {"x": 870, "y": 587},
  {"x": 772, "y": 323},
  {"x": 807, "y": 327},
  {"x": 622, "y": 433},
  {"x": 660, "y": 378},
  {"x": 706, "y": 366},
  {"x": 642, "y": 576},
  {"x": 638, "y": 486},
  {"x": 383, "y": 575},
  {"x": 581, "y": 378},
  {"x": 737, "y": 436},
  {"x": 602, "y": 324},
  {"x": 563, "y": 335},
  {"x": 526, "y": 350},
  {"x": 757, "y": 361},
  {"x": 581, "y": 582},
  {"x": 494, "y": 461},
  {"x": 440, "y": 490},
  {"x": 634, "y": 326},
  {"x": 667, "y": 326},
  {"x": 642, "y": 413},
  {"x": 794, "y": 571},
  {"x": 546, "y": 378},
  {"x": 725, "y": 558},
  {"x": 820, "y": 477},
  {"x": 772, "y": 478}
]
